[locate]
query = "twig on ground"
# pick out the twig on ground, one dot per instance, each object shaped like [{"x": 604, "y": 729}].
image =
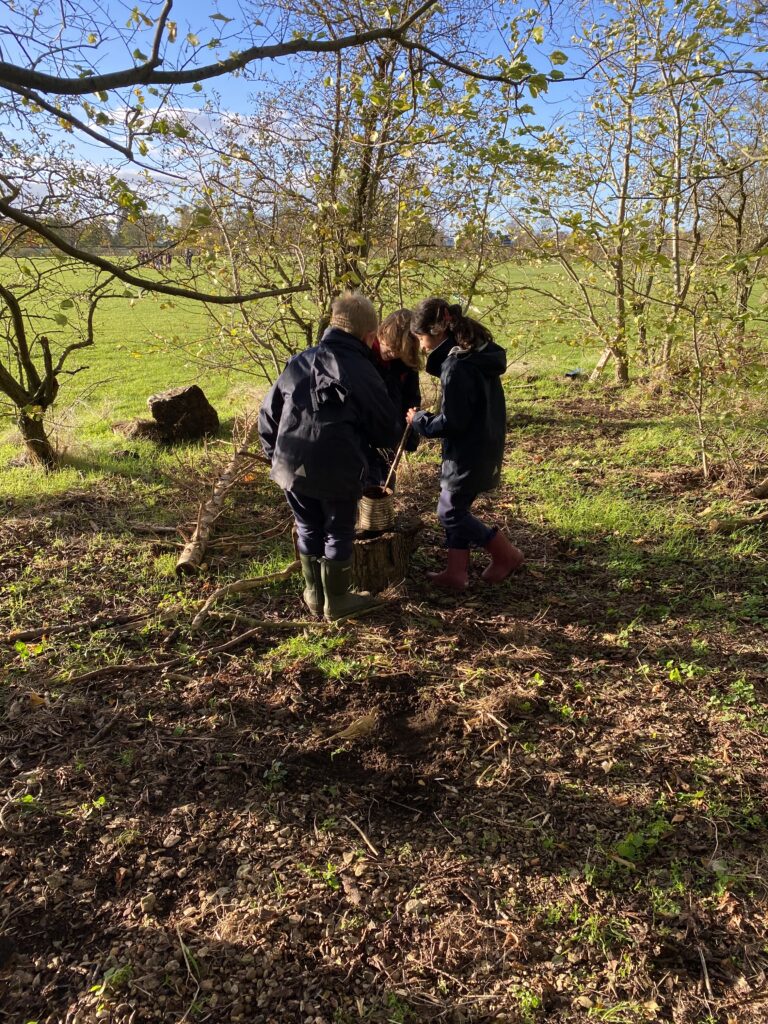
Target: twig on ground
[
  {"x": 192, "y": 973},
  {"x": 8, "y": 828},
  {"x": 705, "y": 972},
  {"x": 362, "y": 835},
  {"x": 131, "y": 666},
  {"x": 102, "y": 732},
  {"x": 240, "y": 586}
]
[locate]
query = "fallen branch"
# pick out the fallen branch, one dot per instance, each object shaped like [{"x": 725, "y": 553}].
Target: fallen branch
[
  {"x": 255, "y": 630},
  {"x": 150, "y": 528},
  {"x": 102, "y": 732},
  {"x": 362, "y": 835},
  {"x": 191, "y": 557},
  {"x": 240, "y": 586},
  {"x": 735, "y": 523},
  {"x": 130, "y": 666},
  {"x": 200, "y": 656}
]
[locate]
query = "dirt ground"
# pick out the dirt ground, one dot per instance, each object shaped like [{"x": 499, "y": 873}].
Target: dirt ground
[{"x": 540, "y": 801}]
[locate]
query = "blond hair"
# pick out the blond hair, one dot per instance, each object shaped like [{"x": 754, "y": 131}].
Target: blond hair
[{"x": 395, "y": 332}]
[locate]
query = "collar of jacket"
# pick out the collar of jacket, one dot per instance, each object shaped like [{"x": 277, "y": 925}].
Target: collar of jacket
[
  {"x": 438, "y": 356},
  {"x": 337, "y": 338}
]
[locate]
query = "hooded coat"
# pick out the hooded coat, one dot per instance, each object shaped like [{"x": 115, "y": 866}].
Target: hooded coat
[
  {"x": 327, "y": 407},
  {"x": 472, "y": 420}
]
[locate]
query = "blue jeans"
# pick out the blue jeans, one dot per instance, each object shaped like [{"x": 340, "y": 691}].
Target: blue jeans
[
  {"x": 325, "y": 528},
  {"x": 462, "y": 529}
]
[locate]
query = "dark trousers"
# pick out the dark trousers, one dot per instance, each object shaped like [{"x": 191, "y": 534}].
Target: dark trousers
[
  {"x": 325, "y": 528},
  {"x": 462, "y": 529}
]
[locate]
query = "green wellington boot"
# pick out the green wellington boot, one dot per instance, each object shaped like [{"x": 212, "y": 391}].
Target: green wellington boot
[
  {"x": 313, "y": 595},
  {"x": 341, "y": 601}
]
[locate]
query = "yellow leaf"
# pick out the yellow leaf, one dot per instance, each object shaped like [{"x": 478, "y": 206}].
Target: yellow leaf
[{"x": 359, "y": 728}]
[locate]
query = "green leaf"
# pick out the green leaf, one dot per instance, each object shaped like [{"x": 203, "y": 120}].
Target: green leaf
[
  {"x": 66, "y": 304},
  {"x": 220, "y": 17},
  {"x": 558, "y": 57},
  {"x": 139, "y": 55},
  {"x": 60, "y": 319},
  {"x": 192, "y": 39},
  {"x": 538, "y": 34},
  {"x": 197, "y": 87}
]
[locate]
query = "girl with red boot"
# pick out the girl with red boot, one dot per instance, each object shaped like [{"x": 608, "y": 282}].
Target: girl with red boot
[{"x": 472, "y": 424}]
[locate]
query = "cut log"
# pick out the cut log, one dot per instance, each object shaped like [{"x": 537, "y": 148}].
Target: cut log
[
  {"x": 382, "y": 561},
  {"x": 191, "y": 557}
]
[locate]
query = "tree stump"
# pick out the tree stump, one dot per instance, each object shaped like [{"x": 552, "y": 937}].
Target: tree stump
[
  {"x": 381, "y": 561},
  {"x": 184, "y": 414}
]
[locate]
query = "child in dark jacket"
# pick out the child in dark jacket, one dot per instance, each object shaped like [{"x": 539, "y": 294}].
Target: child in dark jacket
[
  {"x": 472, "y": 425},
  {"x": 317, "y": 424},
  {"x": 396, "y": 351}
]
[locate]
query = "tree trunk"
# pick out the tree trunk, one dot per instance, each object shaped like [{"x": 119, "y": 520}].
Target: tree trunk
[{"x": 39, "y": 448}]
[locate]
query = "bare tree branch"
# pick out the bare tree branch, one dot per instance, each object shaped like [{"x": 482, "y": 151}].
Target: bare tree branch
[
  {"x": 14, "y": 77},
  {"x": 27, "y": 220}
]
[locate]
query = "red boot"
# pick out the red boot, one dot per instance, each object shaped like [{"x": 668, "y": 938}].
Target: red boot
[
  {"x": 505, "y": 558},
  {"x": 455, "y": 576}
]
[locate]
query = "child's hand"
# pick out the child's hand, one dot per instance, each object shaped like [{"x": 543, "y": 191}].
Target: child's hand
[{"x": 410, "y": 414}]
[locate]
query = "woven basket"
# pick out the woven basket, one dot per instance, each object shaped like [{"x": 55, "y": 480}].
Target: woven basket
[{"x": 376, "y": 510}]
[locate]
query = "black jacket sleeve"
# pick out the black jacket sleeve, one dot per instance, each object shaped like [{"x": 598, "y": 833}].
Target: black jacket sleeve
[
  {"x": 269, "y": 418},
  {"x": 456, "y": 407},
  {"x": 379, "y": 418}
]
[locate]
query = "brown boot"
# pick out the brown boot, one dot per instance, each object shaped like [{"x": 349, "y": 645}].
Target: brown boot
[
  {"x": 455, "y": 576},
  {"x": 505, "y": 558}
]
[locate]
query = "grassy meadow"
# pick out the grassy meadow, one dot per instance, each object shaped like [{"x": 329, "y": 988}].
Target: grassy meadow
[
  {"x": 147, "y": 344},
  {"x": 543, "y": 801}
]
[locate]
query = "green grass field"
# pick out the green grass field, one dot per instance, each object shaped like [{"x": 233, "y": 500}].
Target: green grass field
[{"x": 152, "y": 343}]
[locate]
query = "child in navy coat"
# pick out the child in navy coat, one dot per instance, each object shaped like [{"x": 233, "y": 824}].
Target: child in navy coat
[
  {"x": 318, "y": 423},
  {"x": 396, "y": 351},
  {"x": 472, "y": 425}
]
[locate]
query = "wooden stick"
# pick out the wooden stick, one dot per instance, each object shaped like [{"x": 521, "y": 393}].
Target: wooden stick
[
  {"x": 398, "y": 456},
  {"x": 362, "y": 835},
  {"x": 126, "y": 622}
]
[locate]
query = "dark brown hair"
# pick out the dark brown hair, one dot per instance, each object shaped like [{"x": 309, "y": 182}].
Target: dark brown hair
[{"x": 433, "y": 315}]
